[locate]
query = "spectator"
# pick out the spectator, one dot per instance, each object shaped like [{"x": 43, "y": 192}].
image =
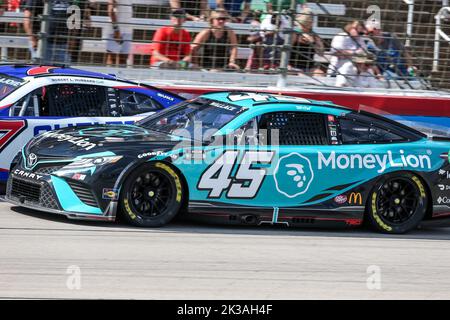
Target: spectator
[
  {"x": 233, "y": 7},
  {"x": 345, "y": 45},
  {"x": 357, "y": 73},
  {"x": 272, "y": 43},
  {"x": 255, "y": 40},
  {"x": 219, "y": 44},
  {"x": 306, "y": 44},
  {"x": 279, "y": 6},
  {"x": 196, "y": 10},
  {"x": 57, "y": 40},
  {"x": 172, "y": 44},
  {"x": 393, "y": 59},
  {"x": 119, "y": 32}
]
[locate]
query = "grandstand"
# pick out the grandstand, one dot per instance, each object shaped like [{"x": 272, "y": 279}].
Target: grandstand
[{"x": 412, "y": 21}]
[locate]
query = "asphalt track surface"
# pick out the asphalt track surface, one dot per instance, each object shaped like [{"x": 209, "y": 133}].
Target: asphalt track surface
[{"x": 40, "y": 254}]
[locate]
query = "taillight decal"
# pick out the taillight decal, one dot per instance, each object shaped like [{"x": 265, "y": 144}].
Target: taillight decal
[{"x": 9, "y": 129}]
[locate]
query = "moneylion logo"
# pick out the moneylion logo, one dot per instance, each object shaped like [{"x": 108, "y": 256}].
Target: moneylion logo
[
  {"x": 293, "y": 175},
  {"x": 379, "y": 162},
  {"x": 32, "y": 159},
  {"x": 355, "y": 198}
]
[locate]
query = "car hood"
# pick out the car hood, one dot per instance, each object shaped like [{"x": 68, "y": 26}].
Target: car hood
[{"x": 120, "y": 139}]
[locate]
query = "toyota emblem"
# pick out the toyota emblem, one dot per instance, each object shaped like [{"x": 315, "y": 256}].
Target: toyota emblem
[{"x": 32, "y": 159}]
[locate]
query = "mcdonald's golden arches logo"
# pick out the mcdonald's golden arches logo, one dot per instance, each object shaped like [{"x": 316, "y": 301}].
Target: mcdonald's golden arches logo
[{"x": 355, "y": 198}]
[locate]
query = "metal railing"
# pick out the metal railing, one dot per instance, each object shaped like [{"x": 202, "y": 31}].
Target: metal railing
[
  {"x": 444, "y": 13},
  {"x": 93, "y": 45}
]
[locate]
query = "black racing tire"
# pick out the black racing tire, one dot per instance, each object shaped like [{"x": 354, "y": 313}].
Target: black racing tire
[
  {"x": 152, "y": 195},
  {"x": 397, "y": 203}
]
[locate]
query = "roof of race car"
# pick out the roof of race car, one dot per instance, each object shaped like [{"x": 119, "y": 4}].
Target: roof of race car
[
  {"x": 23, "y": 71},
  {"x": 255, "y": 99}
]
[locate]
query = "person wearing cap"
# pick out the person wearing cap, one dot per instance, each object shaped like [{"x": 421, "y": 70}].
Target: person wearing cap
[
  {"x": 219, "y": 44},
  {"x": 172, "y": 44},
  {"x": 358, "y": 73},
  {"x": 393, "y": 59},
  {"x": 305, "y": 44}
]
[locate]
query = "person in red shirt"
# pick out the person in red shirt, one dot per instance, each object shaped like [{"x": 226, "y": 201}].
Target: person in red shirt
[{"x": 172, "y": 44}]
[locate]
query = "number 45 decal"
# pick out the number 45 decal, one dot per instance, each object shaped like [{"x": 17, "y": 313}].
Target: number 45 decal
[{"x": 247, "y": 180}]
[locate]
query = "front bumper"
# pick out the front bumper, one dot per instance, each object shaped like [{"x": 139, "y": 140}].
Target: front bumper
[{"x": 41, "y": 195}]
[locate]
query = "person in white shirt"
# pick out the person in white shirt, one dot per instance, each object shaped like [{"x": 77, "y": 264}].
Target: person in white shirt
[
  {"x": 345, "y": 45},
  {"x": 119, "y": 32},
  {"x": 358, "y": 73}
]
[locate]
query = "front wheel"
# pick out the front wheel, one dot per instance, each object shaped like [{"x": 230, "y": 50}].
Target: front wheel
[
  {"x": 397, "y": 203},
  {"x": 151, "y": 195}
]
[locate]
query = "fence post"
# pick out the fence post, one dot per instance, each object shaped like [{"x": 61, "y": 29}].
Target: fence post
[
  {"x": 436, "y": 42},
  {"x": 43, "y": 35},
  {"x": 286, "y": 51}
]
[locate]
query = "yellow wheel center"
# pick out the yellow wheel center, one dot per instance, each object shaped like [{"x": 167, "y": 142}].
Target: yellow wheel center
[
  {"x": 397, "y": 201},
  {"x": 151, "y": 193}
]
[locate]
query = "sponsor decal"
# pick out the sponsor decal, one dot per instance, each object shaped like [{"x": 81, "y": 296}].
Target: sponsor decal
[
  {"x": 110, "y": 194},
  {"x": 223, "y": 106},
  {"x": 164, "y": 96},
  {"x": 444, "y": 173},
  {"x": 341, "y": 199},
  {"x": 355, "y": 198},
  {"x": 379, "y": 162},
  {"x": 152, "y": 154},
  {"x": 293, "y": 175},
  {"x": 79, "y": 142},
  {"x": 443, "y": 187},
  {"x": 353, "y": 222},
  {"x": 10, "y": 82},
  {"x": 443, "y": 200},
  {"x": 31, "y": 159},
  {"x": 27, "y": 174},
  {"x": 79, "y": 176}
]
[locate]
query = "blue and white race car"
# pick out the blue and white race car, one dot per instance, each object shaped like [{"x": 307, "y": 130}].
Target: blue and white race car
[{"x": 36, "y": 99}]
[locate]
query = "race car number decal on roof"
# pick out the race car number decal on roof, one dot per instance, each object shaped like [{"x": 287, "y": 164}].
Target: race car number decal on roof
[
  {"x": 40, "y": 70},
  {"x": 258, "y": 97}
]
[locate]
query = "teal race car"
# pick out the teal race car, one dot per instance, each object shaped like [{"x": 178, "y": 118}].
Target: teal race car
[{"x": 240, "y": 158}]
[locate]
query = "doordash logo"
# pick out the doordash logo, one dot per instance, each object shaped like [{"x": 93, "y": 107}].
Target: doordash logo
[{"x": 380, "y": 162}]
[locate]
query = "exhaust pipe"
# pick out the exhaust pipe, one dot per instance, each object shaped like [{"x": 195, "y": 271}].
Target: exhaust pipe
[{"x": 248, "y": 219}]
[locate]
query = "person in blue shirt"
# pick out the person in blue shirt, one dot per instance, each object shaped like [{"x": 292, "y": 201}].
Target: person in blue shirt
[
  {"x": 392, "y": 58},
  {"x": 237, "y": 9}
]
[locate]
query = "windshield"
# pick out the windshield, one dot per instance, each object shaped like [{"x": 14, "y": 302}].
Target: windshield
[
  {"x": 8, "y": 84},
  {"x": 196, "y": 120}
]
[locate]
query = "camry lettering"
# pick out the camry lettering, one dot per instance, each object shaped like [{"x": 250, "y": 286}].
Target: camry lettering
[
  {"x": 380, "y": 162},
  {"x": 27, "y": 174}
]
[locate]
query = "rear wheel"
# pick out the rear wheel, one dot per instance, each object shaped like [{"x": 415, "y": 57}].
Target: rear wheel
[
  {"x": 397, "y": 203},
  {"x": 151, "y": 195}
]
